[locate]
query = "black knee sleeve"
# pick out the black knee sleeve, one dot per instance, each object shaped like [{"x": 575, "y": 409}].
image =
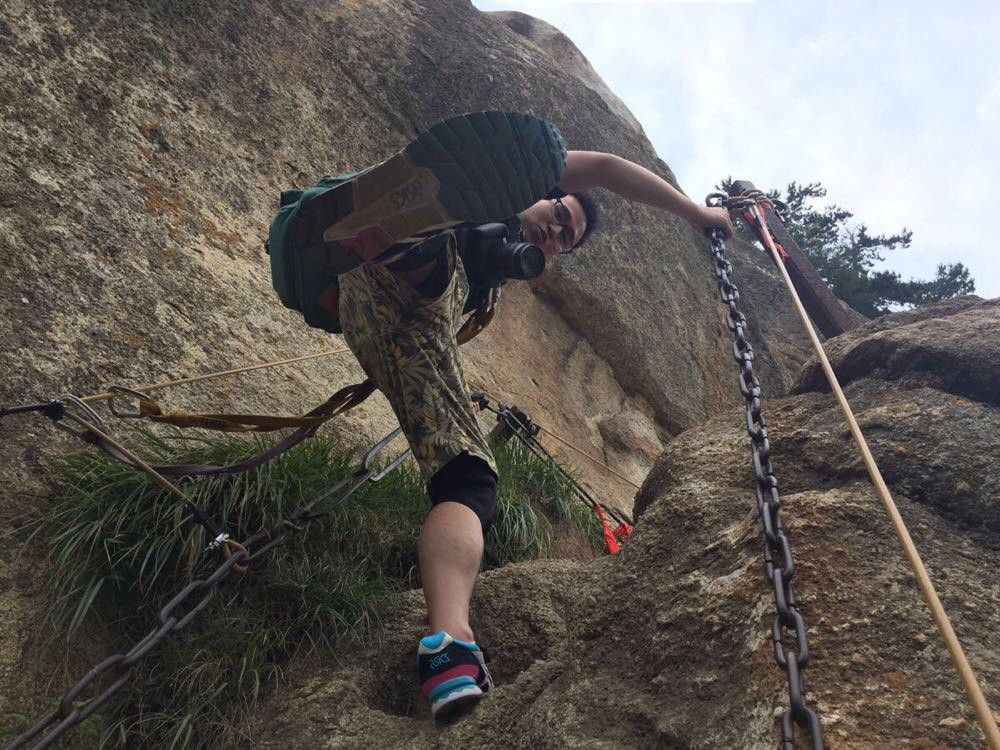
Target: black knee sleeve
[{"x": 468, "y": 480}]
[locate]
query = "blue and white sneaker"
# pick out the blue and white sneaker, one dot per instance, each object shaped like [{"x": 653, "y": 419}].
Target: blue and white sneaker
[{"x": 453, "y": 673}]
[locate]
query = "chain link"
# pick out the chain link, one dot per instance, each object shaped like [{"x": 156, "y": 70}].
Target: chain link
[
  {"x": 173, "y": 617},
  {"x": 779, "y": 567},
  {"x": 788, "y": 627}
]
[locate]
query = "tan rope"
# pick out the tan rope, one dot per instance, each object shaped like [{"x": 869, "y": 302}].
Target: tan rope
[
  {"x": 972, "y": 689},
  {"x": 573, "y": 447},
  {"x": 229, "y": 546},
  {"x": 209, "y": 376},
  {"x": 157, "y": 477},
  {"x": 749, "y": 199},
  {"x": 587, "y": 455},
  {"x": 472, "y": 326}
]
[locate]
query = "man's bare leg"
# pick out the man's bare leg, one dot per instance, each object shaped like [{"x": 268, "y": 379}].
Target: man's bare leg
[{"x": 450, "y": 551}]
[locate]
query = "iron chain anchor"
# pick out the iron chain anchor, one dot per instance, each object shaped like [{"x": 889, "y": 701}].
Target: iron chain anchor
[{"x": 779, "y": 568}]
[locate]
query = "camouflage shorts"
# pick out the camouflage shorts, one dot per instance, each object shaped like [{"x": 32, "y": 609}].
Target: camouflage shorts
[{"x": 406, "y": 345}]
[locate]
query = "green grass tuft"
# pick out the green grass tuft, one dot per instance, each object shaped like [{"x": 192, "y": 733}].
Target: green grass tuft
[{"x": 122, "y": 547}]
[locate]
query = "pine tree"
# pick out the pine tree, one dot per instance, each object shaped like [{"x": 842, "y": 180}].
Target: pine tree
[{"x": 844, "y": 255}]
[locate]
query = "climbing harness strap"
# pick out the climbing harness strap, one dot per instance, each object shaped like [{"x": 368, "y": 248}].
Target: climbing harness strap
[
  {"x": 609, "y": 535},
  {"x": 623, "y": 531},
  {"x": 779, "y": 567},
  {"x": 150, "y": 409},
  {"x": 343, "y": 400}
]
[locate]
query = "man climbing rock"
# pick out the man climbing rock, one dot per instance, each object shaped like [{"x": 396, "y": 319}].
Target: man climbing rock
[{"x": 400, "y": 309}]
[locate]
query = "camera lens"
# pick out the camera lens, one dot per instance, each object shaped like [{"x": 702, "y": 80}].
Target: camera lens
[
  {"x": 489, "y": 259},
  {"x": 529, "y": 260}
]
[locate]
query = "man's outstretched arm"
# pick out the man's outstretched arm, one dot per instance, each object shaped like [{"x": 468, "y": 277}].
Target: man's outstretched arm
[{"x": 589, "y": 169}]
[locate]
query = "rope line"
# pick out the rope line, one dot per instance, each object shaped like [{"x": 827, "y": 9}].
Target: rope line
[
  {"x": 208, "y": 376},
  {"x": 524, "y": 433},
  {"x": 969, "y": 681},
  {"x": 588, "y": 456},
  {"x": 138, "y": 462},
  {"x": 569, "y": 444},
  {"x": 107, "y": 395}
]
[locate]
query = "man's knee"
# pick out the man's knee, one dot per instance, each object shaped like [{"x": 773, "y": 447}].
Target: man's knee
[{"x": 468, "y": 480}]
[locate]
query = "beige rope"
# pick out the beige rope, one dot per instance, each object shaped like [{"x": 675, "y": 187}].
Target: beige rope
[
  {"x": 209, "y": 376},
  {"x": 570, "y": 445},
  {"x": 748, "y": 199},
  {"x": 972, "y": 689},
  {"x": 229, "y": 546},
  {"x": 157, "y": 477},
  {"x": 587, "y": 455}
]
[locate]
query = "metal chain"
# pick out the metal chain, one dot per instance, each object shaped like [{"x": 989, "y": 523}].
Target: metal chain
[
  {"x": 778, "y": 565},
  {"x": 527, "y": 431},
  {"x": 173, "y": 617}
]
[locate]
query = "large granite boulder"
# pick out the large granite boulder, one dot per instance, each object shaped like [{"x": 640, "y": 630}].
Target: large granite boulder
[
  {"x": 667, "y": 645},
  {"x": 567, "y": 55}
]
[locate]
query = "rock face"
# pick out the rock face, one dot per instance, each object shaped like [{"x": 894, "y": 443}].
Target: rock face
[
  {"x": 668, "y": 645},
  {"x": 144, "y": 145},
  {"x": 566, "y": 54},
  {"x": 145, "y": 149},
  {"x": 951, "y": 346}
]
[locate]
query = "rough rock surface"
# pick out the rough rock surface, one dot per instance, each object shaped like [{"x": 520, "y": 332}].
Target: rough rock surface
[
  {"x": 142, "y": 148},
  {"x": 668, "y": 645},
  {"x": 566, "y": 54},
  {"x": 951, "y": 345}
]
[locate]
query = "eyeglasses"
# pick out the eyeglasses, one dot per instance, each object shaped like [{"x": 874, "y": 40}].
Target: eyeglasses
[{"x": 562, "y": 217}]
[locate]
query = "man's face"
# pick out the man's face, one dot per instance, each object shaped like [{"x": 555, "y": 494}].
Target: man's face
[{"x": 553, "y": 228}]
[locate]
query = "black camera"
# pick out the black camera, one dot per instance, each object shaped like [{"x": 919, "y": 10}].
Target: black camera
[{"x": 490, "y": 260}]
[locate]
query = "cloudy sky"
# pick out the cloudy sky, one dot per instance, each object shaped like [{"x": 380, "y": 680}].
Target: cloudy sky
[{"x": 893, "y": 105}]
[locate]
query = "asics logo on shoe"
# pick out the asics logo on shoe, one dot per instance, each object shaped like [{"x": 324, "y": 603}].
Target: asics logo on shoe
[{"x": 440, "y": 659}]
